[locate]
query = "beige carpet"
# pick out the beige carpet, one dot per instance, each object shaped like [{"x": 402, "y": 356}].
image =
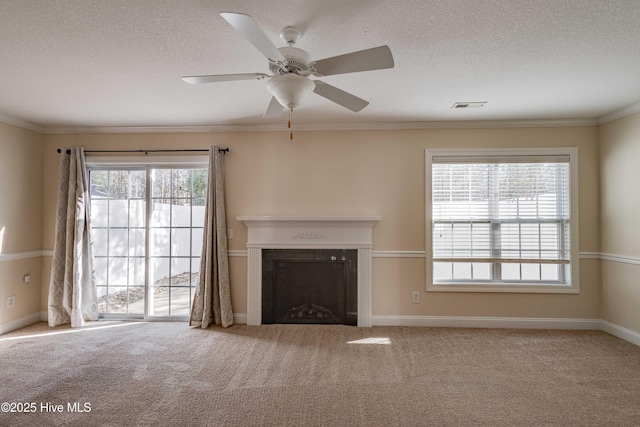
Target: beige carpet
[{"x": 166, "y": 374}]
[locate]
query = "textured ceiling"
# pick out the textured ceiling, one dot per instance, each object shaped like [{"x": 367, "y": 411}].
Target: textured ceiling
[{"x": 101, "y": 63}]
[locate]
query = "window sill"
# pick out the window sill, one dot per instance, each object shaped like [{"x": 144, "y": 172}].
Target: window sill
[{"x": 504, "y": 288}]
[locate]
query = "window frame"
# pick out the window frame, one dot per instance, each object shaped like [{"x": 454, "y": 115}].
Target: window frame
[{"x": 572, "y": 279}]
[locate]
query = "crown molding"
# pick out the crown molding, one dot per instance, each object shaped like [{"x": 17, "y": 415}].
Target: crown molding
[
  {"x": 618, "y": 114},
  {"x": 309, "y": 127},
  {"x": 21, "y": 123},
  {"x": 169, "y": 129}
]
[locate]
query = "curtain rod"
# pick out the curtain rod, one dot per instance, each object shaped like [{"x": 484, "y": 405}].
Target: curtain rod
[{"x": 220, "y": 150}]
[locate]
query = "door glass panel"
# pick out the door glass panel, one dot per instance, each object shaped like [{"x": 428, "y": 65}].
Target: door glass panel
[
  {"x": 138, "y": 184},
  {"x": 137, "y": 213},
  {"x": 158, "y": 272},
  {"x": 196, "y": 241},
  {"x": 181, "y": 242},
  {"x": 159, "y": 301},
  {"x": 161, "y": 183},
  {"x": 118, "y": 241},
  {"x": 136, "y": 300},
  {"x": 200, "y": 177},
  {"x": 117, "y": 271},
  {"x": 159, "y": 242},
  {"x": 180, "y": 213},
  {"x": 136, "y": 242},
  {"x": 180, "y": 301},
  {"x": 161, "y": 212},
  {"x": 118, "y": 215},
  {"x": 100, "y": 266},
  {"x": 99, "y": 239},
  {"x": 117, "y": 300},
  {"x": 197, "y": 213},
  {"x": 136, "y": 271}
]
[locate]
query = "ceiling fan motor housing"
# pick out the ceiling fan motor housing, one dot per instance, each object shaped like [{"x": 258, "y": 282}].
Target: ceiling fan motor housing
[{"x": 296, "y": 61}]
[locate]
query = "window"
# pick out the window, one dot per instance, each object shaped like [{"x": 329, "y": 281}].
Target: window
[
  {"x": 146, "y": 226},
  {"x": 502, "y": 220}
]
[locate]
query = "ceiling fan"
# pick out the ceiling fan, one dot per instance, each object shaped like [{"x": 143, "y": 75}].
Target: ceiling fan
[{"x": 291, "y": 68}]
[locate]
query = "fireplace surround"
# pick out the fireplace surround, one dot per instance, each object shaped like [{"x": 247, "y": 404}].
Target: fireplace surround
[{"x": 268, "y": 232}]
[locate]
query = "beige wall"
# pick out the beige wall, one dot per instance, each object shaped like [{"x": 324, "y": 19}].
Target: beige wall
[
  {"x": 355, "y": 173},
  {"x": 20, "y": 221},
  {"x": 620, "y": 212}
]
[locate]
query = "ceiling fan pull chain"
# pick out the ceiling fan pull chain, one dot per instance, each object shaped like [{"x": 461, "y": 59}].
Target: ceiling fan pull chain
[{"x": 289, "y": 124}]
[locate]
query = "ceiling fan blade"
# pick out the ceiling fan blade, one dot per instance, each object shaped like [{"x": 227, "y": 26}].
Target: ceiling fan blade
[
  {"x": 223, "y": 78},
  {"x": 246, "y": 26},
  {"x": 339, "y": 96},
  {"x": 376, "y": 58},
  {"x": 274, "y": 109}
]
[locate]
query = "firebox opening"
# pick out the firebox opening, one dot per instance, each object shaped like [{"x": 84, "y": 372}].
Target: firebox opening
[{"x": 309, "y": 286}]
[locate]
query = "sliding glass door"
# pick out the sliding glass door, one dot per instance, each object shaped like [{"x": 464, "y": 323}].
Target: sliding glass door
[
  {"x": 175, "y": 239},
  {"x": 146, "y": 226}
]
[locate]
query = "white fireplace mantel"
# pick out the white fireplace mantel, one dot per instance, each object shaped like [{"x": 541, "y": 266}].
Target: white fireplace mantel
[{"x": 268, "y": 232}]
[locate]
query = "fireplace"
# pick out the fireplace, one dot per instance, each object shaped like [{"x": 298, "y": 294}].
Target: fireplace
[
  {"x": 309, "y": 286},
  {"x": 301, "y": 233}
]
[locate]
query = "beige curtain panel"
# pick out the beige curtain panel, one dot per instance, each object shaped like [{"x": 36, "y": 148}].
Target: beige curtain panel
[
  {"x": 212, "y": 301},
  {"x": 72, "y": 289}
]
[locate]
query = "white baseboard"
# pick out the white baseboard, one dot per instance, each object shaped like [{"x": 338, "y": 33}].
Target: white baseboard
[
  {"x": 473, "y": 322},
  {"x": 620, "y": 332},
  {"x": 487, "y": 322},
  {"x": 240, "y": 318},
  {"x": 434, "y": 321},
  {"x": 20, "y": 323}
]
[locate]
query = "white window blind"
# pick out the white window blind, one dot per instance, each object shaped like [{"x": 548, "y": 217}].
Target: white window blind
[{"x": 501, "y": 219}]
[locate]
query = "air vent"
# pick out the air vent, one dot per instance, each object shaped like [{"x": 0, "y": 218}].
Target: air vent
[{"x": 461, "y": 105}]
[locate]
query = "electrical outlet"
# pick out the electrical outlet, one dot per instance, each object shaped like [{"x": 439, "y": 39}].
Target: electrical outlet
[
  {"x": 27, "y": 278},
  {"x": 11, "y": 301},
  {"x": 415, "y": 297},
  {"x": 229, "y": 233}
]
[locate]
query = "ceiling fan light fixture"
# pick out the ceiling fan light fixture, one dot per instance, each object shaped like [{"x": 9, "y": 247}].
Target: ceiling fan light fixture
[{"x": 290, "y": 89}]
